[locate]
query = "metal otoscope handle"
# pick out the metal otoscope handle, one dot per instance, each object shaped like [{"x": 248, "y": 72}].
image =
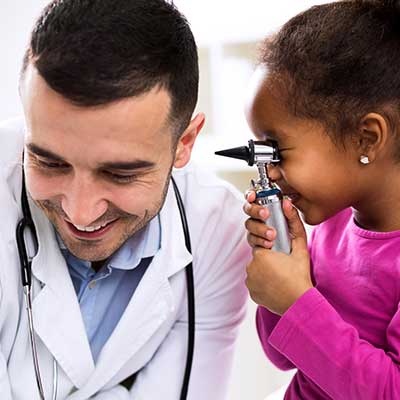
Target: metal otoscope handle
[
  {"x": 261, "y": 154},
  {"x": 272, "y": 199}
]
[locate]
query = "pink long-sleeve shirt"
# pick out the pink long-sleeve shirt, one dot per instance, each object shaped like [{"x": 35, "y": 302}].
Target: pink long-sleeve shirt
[{"x": 343, "y": 335}]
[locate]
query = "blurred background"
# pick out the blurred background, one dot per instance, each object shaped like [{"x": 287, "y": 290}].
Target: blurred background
[{"x": 227, "y": 34}]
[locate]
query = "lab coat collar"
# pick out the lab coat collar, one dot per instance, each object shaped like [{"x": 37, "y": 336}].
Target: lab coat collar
[
  {"x": 172, "y": 238},
  {"x": 57, "y": 316},
  {"x": 152, "y": 302},
  {"x": 58, "y": 320},
  {"x": 172, "y": 235},
  {"x": 143, "y": 244}
]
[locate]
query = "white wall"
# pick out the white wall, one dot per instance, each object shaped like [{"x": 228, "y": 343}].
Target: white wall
[
  {"x": 16, "y": 19},
  {"x": 212, "y": 21}
]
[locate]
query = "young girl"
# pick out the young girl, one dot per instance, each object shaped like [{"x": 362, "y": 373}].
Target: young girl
[{"x": 328, "y": 91}]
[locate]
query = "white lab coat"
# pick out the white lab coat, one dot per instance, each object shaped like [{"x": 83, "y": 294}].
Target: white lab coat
[{"x": 151, "y": 336}]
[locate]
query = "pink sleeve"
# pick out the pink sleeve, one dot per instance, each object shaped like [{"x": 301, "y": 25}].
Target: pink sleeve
[
  {"x": 266, "y": 322},
  {"x": 314, "y": 337}
]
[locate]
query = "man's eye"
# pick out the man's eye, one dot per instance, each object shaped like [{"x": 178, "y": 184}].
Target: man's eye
[
  {"x": 120, "y": 178},
  {"x": 50, "y": 164}
]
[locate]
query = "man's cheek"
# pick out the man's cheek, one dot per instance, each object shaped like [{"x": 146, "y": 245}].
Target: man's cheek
[
  {"x": 39, "y": 187},
  {"x": 135, "y": 203}
]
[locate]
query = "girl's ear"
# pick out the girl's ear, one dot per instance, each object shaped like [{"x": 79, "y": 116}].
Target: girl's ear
[{"x": 372, "y": 136}]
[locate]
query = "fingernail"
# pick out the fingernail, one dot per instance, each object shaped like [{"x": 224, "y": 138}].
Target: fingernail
[
  {"x": 289, "y": 201},
  {"x": 269, "y": 235}
]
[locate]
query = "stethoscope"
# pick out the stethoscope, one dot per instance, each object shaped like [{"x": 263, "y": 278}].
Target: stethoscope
[{"x": 26, "y": 224}]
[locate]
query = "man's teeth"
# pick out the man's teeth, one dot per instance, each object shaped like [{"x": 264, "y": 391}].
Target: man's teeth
[{"x": 89, "y": 228}]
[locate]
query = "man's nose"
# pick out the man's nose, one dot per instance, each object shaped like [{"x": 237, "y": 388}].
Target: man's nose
[{"x": 84, "y": 202}]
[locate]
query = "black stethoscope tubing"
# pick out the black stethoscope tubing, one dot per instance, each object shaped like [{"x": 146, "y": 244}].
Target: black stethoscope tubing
[
  {"x": 26, "y": 276},
  {"x": 190, "y": 294}
]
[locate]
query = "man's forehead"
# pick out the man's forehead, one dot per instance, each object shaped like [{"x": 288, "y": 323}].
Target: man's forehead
[{"x": 150, "y": 109}]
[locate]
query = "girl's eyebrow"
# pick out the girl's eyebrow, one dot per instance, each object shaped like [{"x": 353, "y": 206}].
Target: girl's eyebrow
[{"x": 275, "y": 134}]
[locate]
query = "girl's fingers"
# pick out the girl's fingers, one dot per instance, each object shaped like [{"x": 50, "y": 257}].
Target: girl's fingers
[
  {"x": 255, "y": 211},
  {"x": 256, "y": 241},
  {"x": 260, "y": 229},
  {"x": 250, "y": 195}
]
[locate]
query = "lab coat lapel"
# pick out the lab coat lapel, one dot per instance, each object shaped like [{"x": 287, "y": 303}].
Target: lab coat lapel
[
  {"x": 151, "y": 304},
  {"x": 57, "y": 315},
  {"x": 177, "y": 257}
]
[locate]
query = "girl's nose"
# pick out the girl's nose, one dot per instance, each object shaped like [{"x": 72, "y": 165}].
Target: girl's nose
[{"x": 274, "y": 172}]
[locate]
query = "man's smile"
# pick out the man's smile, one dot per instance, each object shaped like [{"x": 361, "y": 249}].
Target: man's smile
[{"x": 90, "y": 232}]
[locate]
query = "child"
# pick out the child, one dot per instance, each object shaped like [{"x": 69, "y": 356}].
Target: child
[{"x": 328, "y": 91}]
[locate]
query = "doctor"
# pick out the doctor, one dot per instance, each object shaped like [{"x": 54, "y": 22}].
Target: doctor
[{"x": 108, "y": 89}]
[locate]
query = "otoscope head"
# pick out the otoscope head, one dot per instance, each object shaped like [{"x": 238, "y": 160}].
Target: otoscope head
[{"x": 263, "y": 152}]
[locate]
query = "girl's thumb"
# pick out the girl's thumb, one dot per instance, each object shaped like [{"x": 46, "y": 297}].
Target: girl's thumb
[{"x": 295, "y": 225}]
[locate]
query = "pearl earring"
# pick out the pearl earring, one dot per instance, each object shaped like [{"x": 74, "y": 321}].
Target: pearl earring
[{"x": 364, "y": 160}]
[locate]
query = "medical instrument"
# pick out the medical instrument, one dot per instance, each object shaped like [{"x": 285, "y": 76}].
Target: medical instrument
[
  {"x": 26, "y": 227},
  {"x": 268, "y": 195}
]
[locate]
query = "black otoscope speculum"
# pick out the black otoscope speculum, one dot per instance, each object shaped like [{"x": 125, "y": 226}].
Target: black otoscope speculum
[
  {"x": 268, "y": 195},
  {"x": 257, "y": 152}
]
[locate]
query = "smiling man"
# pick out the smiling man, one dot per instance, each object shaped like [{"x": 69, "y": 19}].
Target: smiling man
[
  {"x": 98, "y": 198},
  {"x": 108, "y": 89}
]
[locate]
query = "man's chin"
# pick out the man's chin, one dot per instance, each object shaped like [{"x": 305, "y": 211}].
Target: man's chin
[
  {"x": 90, "y": 252},
  {"x": 101, "y": 248}
]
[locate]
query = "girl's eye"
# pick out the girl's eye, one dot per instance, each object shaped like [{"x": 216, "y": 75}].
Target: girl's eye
[{"x": 283, "y": 153}]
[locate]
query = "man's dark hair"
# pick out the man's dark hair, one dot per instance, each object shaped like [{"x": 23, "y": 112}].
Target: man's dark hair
[
  {"x": 339, "y": 61},
  {"x": 94, "y": 52}
]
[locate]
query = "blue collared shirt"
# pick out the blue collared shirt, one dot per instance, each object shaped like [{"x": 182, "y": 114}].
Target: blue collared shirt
[{"x": 104, "y": 295}]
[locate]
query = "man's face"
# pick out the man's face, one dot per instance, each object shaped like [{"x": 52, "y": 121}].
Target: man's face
[{"x": 98, "y": 173}]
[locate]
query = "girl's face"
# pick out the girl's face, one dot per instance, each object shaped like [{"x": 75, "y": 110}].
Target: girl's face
[{"x": 320, "y": 177}]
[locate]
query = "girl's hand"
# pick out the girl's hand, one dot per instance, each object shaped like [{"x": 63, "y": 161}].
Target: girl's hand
[
  {"x": 276, "y": 280},
  {"x": 259, "y": 234}
]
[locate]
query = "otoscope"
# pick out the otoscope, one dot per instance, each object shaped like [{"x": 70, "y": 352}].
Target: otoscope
[{"x": 268, "y": 195}]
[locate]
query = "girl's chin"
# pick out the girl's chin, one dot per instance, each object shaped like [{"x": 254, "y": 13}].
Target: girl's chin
[
  {"x": 311, "y": 222},
  {"x": 310, "y": 216}
]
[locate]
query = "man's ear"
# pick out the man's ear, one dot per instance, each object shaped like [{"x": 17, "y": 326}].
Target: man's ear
[
  {"x": 186, "y": 141},
  {"x": 372, "y": 136}
]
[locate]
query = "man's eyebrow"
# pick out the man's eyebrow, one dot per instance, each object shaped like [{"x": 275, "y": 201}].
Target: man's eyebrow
[
  {"x": 39, "y": 151},
  {"x": 128, "y": 165},
  {"x": 117, "y": 165}
]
